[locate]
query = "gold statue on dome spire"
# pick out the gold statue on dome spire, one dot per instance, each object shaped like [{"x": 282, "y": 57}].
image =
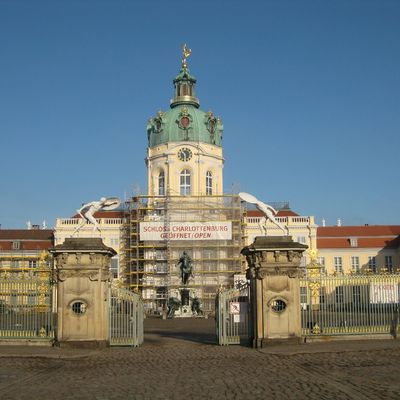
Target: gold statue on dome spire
[{"x": 186, "y": 52}]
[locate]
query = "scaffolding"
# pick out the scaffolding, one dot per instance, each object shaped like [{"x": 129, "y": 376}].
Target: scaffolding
[{"x": 150, "y": 264}]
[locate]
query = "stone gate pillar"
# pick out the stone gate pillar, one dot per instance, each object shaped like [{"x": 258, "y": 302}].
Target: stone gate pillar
[
  {"x": 83, "y": 273},
  {"x": 274, "y": 272}
]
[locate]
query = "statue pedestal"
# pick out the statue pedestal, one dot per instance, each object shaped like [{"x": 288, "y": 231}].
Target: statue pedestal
[
  {"x": 185, "y": 295},
  {"x": 83, "y": 275},
  {"x": 274, "y": 272}
]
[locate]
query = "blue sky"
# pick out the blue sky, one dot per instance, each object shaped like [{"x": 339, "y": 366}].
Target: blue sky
[{"x": 309, "y": 93}]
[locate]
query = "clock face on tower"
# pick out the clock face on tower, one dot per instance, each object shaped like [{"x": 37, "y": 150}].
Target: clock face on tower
[{"x": 185, "y": 154}]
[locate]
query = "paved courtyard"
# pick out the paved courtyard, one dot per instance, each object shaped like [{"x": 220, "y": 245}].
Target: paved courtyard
[{"x": 180, "y": 360}]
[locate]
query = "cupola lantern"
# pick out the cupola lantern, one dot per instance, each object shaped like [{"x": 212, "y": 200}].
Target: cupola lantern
[{"x": 185, "y": 83}]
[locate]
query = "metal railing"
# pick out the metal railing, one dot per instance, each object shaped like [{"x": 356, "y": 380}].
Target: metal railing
[
  {"x": 126, "y": 317},
  {"x": 232, "y": 316},
  {"x": 26, "y": 306},
  {"x": 350, "y": 304}
]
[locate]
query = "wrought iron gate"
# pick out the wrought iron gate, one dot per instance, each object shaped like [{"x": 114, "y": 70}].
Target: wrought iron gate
[
  {"x": 26, "y": 306},
  {"x": 350, "y": 304},
  {"x": 232, "y": 316},
  {"x": 126, "y": 317}
]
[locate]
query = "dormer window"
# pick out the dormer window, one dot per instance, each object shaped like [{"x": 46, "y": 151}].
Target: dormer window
[
  {"x": 16, "y": 245},
  {"x": 353, "y": 242}
]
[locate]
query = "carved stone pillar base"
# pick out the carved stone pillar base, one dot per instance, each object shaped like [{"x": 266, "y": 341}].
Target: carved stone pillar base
[
  {"x": 83, "y": 274},
  {"x": 274, "y": 272}
]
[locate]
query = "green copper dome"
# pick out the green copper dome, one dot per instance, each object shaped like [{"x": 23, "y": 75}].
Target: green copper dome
[{"x": 184, "y": 121}]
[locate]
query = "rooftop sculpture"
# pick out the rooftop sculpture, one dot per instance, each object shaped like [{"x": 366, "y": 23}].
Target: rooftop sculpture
[
  {"x": 268, "y": 211},
  {"x": 186, "y": 52},
  {"x": 87, "y": 212}
]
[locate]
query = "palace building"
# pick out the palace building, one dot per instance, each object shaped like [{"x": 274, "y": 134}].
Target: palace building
[
  {"x": 22, "y": 249},
  {"x": 185, "y": 210},
  {"x": 359, "y": 249}
]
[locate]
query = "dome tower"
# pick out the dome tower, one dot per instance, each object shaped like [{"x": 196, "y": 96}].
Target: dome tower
[{"x": 184, "y": 154}]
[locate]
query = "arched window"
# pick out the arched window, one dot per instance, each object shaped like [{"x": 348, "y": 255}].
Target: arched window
[
  {"x": 185, "y": 182},
  {"x": 161, "y": 183},
  {"x": 209, "y": 183}
]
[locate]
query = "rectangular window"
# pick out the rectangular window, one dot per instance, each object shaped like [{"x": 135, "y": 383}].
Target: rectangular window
[
  {"x": 301, "y": 239},
  {"x": 303, "y": 296},
  {"x": 161, "y": 183},
  {"x": 208, "y": 183},
  {"x": 114, "y": 242},
  {"x": 372, "y": 264},
  {"x": 339, "y": 295},
  {"x": 15, "y": 264},
  {"x": 161, "y": 268},
  {"x": 114, "y": 267},
  {"x": 185, "y": 183},
  {"x": 32, "y": 298},
  {"x": 355, "y": 264},
  {"x": 32, "y": 263},
  {"x": 356, "y": 291},
  {"x": 389, "y": 263},
  {"x": 209, "y": 253},
  {"x": 14, "y": 298},
  {"x": 321, "y": 262},
  {"x": 161, "y": 255},
  {"x": 322, "y": 293},
  {"x": 337, "y": 261},
  {"x": 161, "y": 188},
  {"x": 16, "y": 245}
]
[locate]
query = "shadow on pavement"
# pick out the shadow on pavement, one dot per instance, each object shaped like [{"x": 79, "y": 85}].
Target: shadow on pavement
[{"x": 199, "y": 330}]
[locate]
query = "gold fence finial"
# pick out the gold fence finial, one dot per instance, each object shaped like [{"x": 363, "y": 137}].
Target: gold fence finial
[{"x": 313, "y": 255}]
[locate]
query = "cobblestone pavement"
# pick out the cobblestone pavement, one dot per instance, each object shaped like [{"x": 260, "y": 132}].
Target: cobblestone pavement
[{"x": 180, "y": 360}]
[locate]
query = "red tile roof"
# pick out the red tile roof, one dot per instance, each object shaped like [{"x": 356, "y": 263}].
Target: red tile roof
[
  {"x": 38, "y": 246},
  {"x": 26, "y": 234},
  {"x": 30, "y": 239},
  {"x": 369, "y": 236},
  {"x": 356, "y": 231}
]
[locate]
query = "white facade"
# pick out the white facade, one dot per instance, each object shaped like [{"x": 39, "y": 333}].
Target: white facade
[{"x": 110, "y": 233}]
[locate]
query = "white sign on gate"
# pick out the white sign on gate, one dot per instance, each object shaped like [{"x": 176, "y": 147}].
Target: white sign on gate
[
  {"x": 383, "y": 293},
  {"x": 234, "y": 308},
  {"x": 155, "y": 230},
  {"x": 236, "y": 318}
]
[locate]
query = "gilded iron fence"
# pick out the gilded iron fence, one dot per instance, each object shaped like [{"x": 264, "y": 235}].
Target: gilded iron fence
[
  {"x": 232, "y": 316},
  {"x": 126, "y": 317},
  {"x": 350, "y": 304},
  {"x": 26, "y": 305}
]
